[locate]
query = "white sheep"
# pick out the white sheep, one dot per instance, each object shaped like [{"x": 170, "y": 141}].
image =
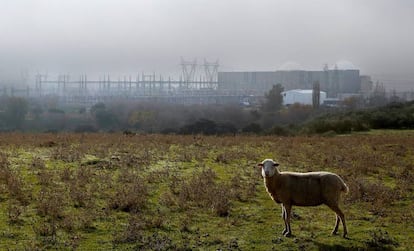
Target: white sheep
[{"x": 303, "y": 189}]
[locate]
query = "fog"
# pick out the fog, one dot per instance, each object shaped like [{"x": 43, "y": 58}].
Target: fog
[{"x": 124, "y": 36}]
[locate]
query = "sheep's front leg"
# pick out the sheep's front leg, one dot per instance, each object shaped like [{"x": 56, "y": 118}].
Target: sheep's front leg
[
  {"x": 284, "y": 220},
  {"x": 288, "y": 209}
]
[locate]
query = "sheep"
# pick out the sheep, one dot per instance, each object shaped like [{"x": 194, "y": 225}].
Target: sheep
[{"x": 303, "y": 189}]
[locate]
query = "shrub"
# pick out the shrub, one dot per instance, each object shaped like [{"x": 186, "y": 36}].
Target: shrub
[
  {"x": 208, "y": 127},
  {"x": 252, "y": 128},
  {"x": 279, "y": 130},
  {"x": 80, "y": 187},
  {"x": 156, "y": 241},
  {"x": 38, "y": 163},
  {"x": 13, "y": 183},
  {"x": 381, "y": 240},
  {"x": 379, "y": 196},
  {"x": 220, "y": 202},
  {"x": 14, "y": 211},
  {"x": 202, "y": 190},
  {"x": 51, "y": 202},
  {"x": 338, "y": 125},
  {"x": 85, "y": 128},
  {"x": 133, "y": 232},
  {"x": 129, "y": 198},
  {"x": 131, "y": 193},
  {"x": 66, "y": 154}
]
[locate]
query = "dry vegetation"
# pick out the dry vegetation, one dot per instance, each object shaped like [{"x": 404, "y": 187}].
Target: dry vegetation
[{"x": 104, "y": 191}]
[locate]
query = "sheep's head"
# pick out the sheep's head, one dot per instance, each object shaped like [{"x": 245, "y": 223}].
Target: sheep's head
[{"x": 269, "y": 167}]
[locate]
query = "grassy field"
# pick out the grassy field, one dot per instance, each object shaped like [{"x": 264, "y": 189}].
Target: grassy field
[{"x": 153, "y": 192}]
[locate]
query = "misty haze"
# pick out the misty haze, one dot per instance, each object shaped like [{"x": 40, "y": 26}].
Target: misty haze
[
  {"x": 128, "y": 37},
  {"x": 151, "y": 124}
]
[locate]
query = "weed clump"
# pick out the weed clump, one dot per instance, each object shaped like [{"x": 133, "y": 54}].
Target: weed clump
[
  {"x": 381, "y": 240},
  {"x": 66, "y": 154},
  {"x": 51, "y": 202},
  {"x": 38, "y": 163},
  {"x": 14, "y": 211},
  {"x": 80, "y": 186},
  {"x": 131, "y": 193},
  {"x": 203, "y": 191},
  {"x": 133, "y": 232},
  {"x": 375, "y": 193},
  {"x": 12, "y": 183}
]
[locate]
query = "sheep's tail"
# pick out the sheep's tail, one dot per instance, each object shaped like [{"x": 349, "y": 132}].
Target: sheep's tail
[{"x": 344, "y": 187}]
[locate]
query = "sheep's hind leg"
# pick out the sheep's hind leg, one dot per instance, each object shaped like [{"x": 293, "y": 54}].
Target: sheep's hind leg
[
  {"x": 341, "y": 216},
  {"x": 284, "y": 220},
  {"x": 288, "y": 209},
  {"x": 335, "y": 230}
]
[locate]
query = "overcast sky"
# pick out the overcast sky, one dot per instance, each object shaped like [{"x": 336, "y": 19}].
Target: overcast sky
[{"x": 121, "y": 36}]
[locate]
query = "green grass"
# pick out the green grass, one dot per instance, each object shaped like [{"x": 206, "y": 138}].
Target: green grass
[{"x": 90, "y": 172}]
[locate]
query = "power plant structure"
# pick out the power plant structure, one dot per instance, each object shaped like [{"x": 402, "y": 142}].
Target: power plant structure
[
  {"x": 333, "y": 82},
  {"x": 198, "y": 84},
  {"x": 188, "y": 89}
]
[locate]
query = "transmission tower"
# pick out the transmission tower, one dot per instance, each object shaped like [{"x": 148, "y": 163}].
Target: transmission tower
[
  {"x": 211, "y": 70},
  {"x": 24, "y": 75},
  {"x": 189, "y": 70}
]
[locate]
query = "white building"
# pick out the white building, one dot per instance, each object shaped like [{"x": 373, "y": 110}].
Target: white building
[{"x": 303, "y": 97}]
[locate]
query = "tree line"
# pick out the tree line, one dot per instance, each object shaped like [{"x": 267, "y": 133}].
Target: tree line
[{"x": 269, "y": 117}]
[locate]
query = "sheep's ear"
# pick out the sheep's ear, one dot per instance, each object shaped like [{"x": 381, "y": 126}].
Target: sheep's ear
[
  {"x": 260, "y": 165},
  {"x": 275, "y": 164}
]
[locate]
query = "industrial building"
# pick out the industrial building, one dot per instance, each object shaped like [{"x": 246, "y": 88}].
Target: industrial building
[
  {"x": 304, "y": 97},
  {"x": 332, "y": 81},
  {"x": 214, "y": 87}
]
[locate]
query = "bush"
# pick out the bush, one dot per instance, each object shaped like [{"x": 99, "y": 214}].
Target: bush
[
  {"x": 15, "y": 111},
  {"x": 393, "y": 116},
  {"x": 208, "y": 127},
  {"x": 133, "y": 232},
  {"x": 379, "y": 196},
  {"x": 252, "y": 128},
  {"x": 381, "y": 240},
  {"x": 131, "y": 193},
  {"x": 339, "y": 125},
  {"x": 202, "y": 190},
  {"x": 85, "y": 128},
  {"x": 279, "y": 130}
]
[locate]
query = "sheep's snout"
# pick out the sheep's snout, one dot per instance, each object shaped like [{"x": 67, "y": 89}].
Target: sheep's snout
[{"x": 267, "y": 172}]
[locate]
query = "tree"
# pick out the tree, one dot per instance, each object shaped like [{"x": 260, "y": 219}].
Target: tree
[
  {"x": 378, "y": 97},
  {"x": 141, "y": 119},
  {"x": 96, "y": 107},
  {"x": 103, "y": 117},
  {"x": 15, "y": 112},
  {"x": 252, "y": 128},
  {"x": 82, "y": 110},
  {"x": 56, "y": 119},
  {"x": 274, "y": 99},
  {"x": 36, "y": 111},
  {"x": 352, "y": 103},
  {"x": 316, "y": 95}
]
